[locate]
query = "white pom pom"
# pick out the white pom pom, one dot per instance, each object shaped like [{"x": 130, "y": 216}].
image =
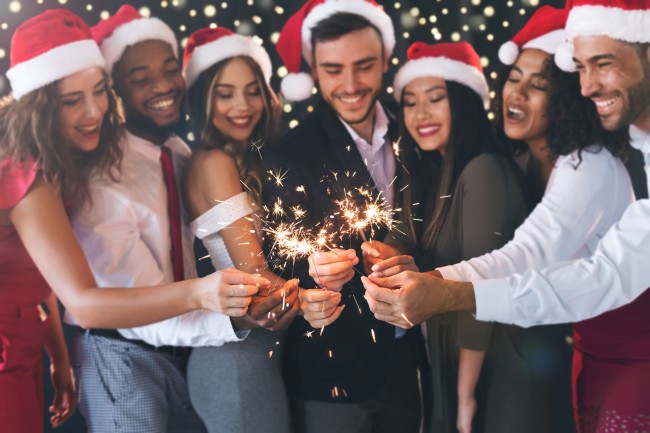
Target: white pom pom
[
  {"x": 297, "y": 87},
  {"x": 564, "y": 57},
  {"x": 508, "y": 53}
]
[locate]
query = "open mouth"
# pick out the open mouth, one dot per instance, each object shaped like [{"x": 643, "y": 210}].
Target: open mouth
[
  {"x": 89, "y": 131},
  {"x": 241, "y": 121},
  {"x": 427, "y": 130},
  {"x": 515, "y": 113},
  {"x": 162, "y": 104},
  {"x": 606, "y": 106}
]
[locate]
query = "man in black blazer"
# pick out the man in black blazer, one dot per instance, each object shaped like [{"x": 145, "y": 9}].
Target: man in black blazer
[{"x": 354, "y": 375}]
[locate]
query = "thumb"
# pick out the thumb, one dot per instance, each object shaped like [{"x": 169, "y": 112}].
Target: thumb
[{"x": 392, "y": 282}]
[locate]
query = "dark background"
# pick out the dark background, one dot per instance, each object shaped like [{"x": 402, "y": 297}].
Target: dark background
[{"x": 486, "y": 24}]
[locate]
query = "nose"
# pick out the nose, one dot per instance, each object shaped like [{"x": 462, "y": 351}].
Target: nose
[
  {"x": 421, "y": 111},
  {"x": 589, "y": 84},
  {"x": 163, "y": 84},
  {"x": 92, "y": 110},
  {"x": 349, "y": 82},
  {"x": 518, "y": 92},
  {"x": 241, "y": 101}
]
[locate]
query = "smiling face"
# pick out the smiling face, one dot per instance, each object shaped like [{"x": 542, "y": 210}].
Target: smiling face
[
  {"x": 616, "y": 76},
  {"x": 349, "y": 71},
  {"x": 84, "y": 102},
  {"x": 427, "y": 115},
  {"x": 526, "y": 97},
  {"x": 237, "y": 100},
  {"x": 148, "y": 79}
]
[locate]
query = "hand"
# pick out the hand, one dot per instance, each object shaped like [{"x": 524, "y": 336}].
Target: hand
[
  {"x": 65, "y": 396},
  {"x": 274, "y": 312},
  {"x": 374, "y": 252},
  {"x": 332, "y": 269},
  {"x": 320, "y": 307},
  {"x": 466, "y": 414},
  {"x": 231, "y": 291},
  {"x": 394, "y": 266},
  {"x": 409, "y": 298}
]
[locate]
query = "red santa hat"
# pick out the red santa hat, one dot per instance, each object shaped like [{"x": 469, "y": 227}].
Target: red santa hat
[
  {"x": 451, "y": 61},
  {"x": 48, "y": 47},
  {"x": 543, "y": 31},
  {"x": 624, "y": 20},
  {"x": 295, "y": 38},
  {"x": 127, "y": 27},
  {"x": 207, "y": 46}
]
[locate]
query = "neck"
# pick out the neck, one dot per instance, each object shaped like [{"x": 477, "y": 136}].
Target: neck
[
  {"x": 366, "y": 128},
  {"x": 540, "y": 165},
  {"x": 158, "y": 136}
]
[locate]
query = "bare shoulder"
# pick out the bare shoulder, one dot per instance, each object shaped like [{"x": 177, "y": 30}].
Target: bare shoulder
[{"x": 213, "y": 174}]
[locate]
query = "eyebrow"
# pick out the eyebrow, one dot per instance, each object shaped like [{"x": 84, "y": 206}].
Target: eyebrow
[
  {"x": 357, "y": 63},
  {"x": 145, "y": 67},
  {"x": 100, "y": 83},
  {"x": 431, "y": 89},
  {"x": 232, "y": 86},
  {"x": 598, "y": 57},
  {"x": 535, "y": 74}
]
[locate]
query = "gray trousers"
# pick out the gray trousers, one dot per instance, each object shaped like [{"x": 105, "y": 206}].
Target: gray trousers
[{"x": 126, "y": 388}]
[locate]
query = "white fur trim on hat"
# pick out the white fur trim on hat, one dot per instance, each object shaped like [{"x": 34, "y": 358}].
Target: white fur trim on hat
[
  {"x": 445, "y": 68},
  {"x": 223, "y": 48},
  {"x": 139, "y": 30},
  {"x": 508, "y": 53},
  {"x": 616, "y": 23},
  {"x": 372, "y": 13},
  {"x": 297, "y": 87},
  {"x": 53, "y": 65},
  {"x": 564, "y": 57}
]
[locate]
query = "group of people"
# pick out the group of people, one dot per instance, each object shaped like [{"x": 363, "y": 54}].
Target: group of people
[{"x": 104, "y": 208}]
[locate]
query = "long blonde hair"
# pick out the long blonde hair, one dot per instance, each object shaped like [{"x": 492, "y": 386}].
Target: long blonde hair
[
  {"x": 29, "y": 131},
  {"x": 201, "y": 110}
]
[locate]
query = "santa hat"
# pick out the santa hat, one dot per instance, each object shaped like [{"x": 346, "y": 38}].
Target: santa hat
[
  {"x": 295, "y": 38},
  {"x": 624, "y": 20},
  {"x": 127, "y": 27},
  {"x": 48, "y": 47},
  {"x": 206, "y": 47},
  {"x": 543, "y": 31},
  {"x": 451, "y": 61}
]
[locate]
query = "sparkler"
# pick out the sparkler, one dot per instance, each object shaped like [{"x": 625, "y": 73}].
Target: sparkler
[{"x": 373, "y": 213}]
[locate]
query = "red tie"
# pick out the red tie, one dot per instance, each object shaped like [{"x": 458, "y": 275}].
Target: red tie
[{"x": 174, "y": 208}]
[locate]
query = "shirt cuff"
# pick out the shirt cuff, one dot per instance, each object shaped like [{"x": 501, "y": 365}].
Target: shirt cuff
[
  {"x": 220, "y": 327},
  {"x": 449, "y": 273},
  {"x": 493, "y": 300}
]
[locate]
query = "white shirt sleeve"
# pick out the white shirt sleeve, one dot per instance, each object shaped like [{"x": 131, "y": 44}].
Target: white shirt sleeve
[
  {"x": 109, "y": 234},
  {"x": 615, "y": 275},
  {"x": 579, "y": 205}
]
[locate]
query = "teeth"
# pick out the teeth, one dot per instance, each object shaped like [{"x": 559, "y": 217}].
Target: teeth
[
  {"x": 607, "y": 103},
  {"x": 351, "y": 100},
  {"x": 163, "y": 105},
  {"x": 427, "y": 129},
  {"x": 516, "y": 113},
  {"x": 88, "y": 129},
  {"x": 515, "y": 110},
  {"x": 240, "y": 120}
]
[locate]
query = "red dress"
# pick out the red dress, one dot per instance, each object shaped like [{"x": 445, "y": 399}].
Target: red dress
[
  {"x": 611, "y": 370},
  {"x": 22, "y": 331}
]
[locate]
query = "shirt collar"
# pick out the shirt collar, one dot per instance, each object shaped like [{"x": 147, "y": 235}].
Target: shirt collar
[
  {"x": 378, "y": 134},
  {"x": 640, "y": 139}
]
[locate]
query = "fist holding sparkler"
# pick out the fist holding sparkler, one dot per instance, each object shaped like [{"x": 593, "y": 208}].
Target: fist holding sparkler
[
  {"x": 332, "y": 269},
  {"x": 383, "y": 260},
  {"x": 230, "y": 291},
  {"x": 320, "y": 307},
  {"x": 274, "y": 311}
]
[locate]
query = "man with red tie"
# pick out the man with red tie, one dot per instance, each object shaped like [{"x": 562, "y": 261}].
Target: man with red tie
[{"x": 133, "y": 380}]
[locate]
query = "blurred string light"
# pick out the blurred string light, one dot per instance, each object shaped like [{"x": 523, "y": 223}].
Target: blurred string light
[{"x": 484, "y": 23}]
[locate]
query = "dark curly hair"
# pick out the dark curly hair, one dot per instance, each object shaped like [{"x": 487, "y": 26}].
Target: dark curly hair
[{"x": 573, "y": 120}]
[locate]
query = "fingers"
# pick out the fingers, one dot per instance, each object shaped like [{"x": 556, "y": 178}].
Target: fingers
[
  {"x": 391, "y": 282},
  {"x": 393, "y": 265},
  {"x": 319, "y": 300},
  {"x": 236, "y": 277},
  {"x": 378, "y": 293},
  {"x": 335, "y": 255},
  {"x": 63, "y": 407},
  {"x": 319, "y": 323},
  {"x": 369, "y": 248}
]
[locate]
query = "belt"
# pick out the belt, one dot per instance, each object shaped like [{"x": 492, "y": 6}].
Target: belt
[{"x": 115, "y": 335}]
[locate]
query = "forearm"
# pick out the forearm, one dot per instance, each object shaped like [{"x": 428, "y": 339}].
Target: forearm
[
  {"x": 55, "y": 341},
  {"x": 469, "y": 371},
  {"x": 130, "y": 307}
]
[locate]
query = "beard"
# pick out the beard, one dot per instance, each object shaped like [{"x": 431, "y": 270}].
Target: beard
[
  {"x": 638, "y": 97},
  {"x": 369, "y": 111},
  {"x": 144, "y": 126}
]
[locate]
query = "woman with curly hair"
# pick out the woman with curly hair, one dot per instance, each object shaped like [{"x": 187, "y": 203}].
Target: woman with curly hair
[
  {"x": 582, "y": 189},
  {"x": 60, "y": 125},
  {"x": 235, "y": 111}
]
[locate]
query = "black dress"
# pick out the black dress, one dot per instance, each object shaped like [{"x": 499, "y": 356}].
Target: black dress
[{"x": 524, "y": 386}]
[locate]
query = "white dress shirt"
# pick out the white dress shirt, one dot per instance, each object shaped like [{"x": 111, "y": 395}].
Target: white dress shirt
[
  {"x": 378, "y": 156},
  {"x": 613, "y": 276},
  {"x": 125, "y": 234},
  {"x": 583, "y": 199}
]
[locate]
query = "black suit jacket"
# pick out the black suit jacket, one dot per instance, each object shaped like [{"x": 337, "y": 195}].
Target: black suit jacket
[{"x": 342, "y": 364}]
